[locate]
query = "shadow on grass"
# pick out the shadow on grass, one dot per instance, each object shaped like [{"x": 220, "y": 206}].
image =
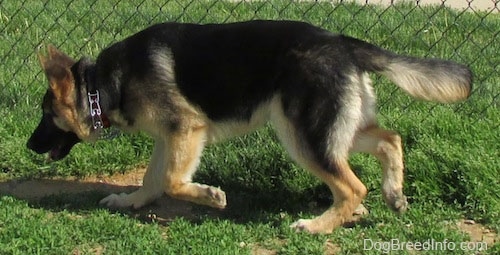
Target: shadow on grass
[
  {"x": 84, "y": 196},
  {"x": 245, "y": 204}
]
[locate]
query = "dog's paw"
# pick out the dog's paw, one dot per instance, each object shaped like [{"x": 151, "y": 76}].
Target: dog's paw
[
  {"x": 356, "y": 216},
  {"x": 396, "y": 201},
  {"x": 401, "y": 204},
  {"x": 216, "y": 197},
  {"x": 360, "y": 210},
  {"x": 311, "y": 226},
  {"x": 116, "y": 201},
  {"x": 301, "y": 225}
]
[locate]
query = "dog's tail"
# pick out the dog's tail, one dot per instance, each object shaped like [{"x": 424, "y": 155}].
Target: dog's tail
[{"x": 429, "y": 79}]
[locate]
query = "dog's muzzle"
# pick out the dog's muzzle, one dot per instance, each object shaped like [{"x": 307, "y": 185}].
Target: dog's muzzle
[{"x": 47, "y": 137}]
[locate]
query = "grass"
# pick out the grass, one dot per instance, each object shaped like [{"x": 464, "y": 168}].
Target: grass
[{"x": 452, "y": 151}]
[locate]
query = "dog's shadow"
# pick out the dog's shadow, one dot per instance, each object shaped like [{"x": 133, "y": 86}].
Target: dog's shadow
[{"x": 83, "y": 195}]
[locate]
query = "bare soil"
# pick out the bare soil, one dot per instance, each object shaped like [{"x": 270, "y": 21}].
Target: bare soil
[{"x": 162, "y": 210}]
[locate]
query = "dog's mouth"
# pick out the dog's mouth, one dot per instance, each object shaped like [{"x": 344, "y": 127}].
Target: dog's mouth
[
  {"x": 54, "y": 154},
  {"x": 62, "y": 149},
  {"x": 48, "y": 138}
]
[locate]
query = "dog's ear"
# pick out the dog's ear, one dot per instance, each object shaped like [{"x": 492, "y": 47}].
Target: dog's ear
[
  {"x": 55, "y": 56},
  {"x": 59, "y": 57},
  {"x": 57, "y": 68},
  {"x": 42, "y": 59}
]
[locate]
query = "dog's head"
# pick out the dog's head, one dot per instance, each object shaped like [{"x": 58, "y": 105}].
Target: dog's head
[{"x": 63, "y": 122}]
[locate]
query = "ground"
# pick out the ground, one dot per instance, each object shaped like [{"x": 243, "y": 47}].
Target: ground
[{"x": 166, "y": 209}]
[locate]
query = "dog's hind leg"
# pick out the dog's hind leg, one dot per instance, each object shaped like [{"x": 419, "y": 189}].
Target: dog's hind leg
[
  {"x": 182, "y": 159},
  {"x": 348, "y": 191},
  {"x": 386, "y": 147},
  {"x": 152, "y": 186}
]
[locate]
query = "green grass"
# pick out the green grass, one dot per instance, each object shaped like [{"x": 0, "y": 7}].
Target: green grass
[{"x": 451, "y": 151}]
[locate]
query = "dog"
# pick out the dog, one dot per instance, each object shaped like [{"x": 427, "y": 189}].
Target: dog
[{"x": 189, "y": 85}]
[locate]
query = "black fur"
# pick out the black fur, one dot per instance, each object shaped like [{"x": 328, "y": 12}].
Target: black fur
[{"x": 229, "y": 70}]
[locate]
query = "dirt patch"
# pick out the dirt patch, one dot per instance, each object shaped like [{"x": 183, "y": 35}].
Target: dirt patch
[
  {"x": 478, "y": 232},
  {"x": 33, "y": 190},
  {"x": 96, "y": 250},
  {"x": 331, "y": 248},
  {"x": 162, "y": 210}
]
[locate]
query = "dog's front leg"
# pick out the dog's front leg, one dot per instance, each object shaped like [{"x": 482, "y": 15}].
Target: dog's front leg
[
  {"x": 152, "y": 185},
  {"x": 182, "y": 159}
]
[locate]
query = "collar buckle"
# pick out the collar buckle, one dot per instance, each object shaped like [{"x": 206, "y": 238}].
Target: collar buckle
[{"x": 95, "y": 110}]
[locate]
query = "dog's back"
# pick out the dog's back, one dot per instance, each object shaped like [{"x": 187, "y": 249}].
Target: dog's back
[{"x": 244, "y": 63}]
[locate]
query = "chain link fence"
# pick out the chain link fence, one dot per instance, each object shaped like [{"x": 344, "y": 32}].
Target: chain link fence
[{"x": 86, "y": 27}]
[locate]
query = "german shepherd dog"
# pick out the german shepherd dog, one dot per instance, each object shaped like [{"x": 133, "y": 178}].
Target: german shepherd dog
[{"x": 189, "y": 85}]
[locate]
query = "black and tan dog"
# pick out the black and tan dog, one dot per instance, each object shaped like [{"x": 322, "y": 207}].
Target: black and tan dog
[{"x": 190, "y": 85}]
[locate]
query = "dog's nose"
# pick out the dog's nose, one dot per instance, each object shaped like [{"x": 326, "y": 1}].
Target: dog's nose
[
  {"x": 34, "y": 145},
  {"x": 29, "y": 144}
]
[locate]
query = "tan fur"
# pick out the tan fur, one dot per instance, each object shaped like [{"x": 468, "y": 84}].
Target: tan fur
[
  {"x": 386, "y": 147},
  {"x": 348, "y": 192},
  {"x": 61, "y": 82},
  {"x": 429, "y": 84},
  {"x": 182, "y": 160},
  {"x": 220, "y": 131}
]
